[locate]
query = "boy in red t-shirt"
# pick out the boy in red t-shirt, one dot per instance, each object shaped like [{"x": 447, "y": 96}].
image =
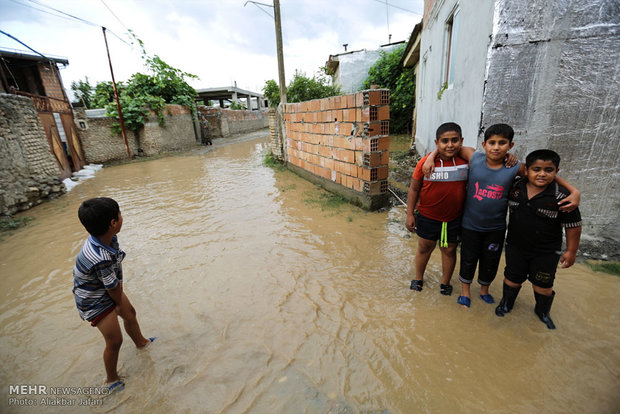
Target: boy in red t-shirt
[{"x": 439, "y": 201}]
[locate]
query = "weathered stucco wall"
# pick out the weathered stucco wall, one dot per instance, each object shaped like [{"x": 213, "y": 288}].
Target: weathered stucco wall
[
  {"x": 177, "y": 133},
  {"x": 101, "y": 145},
  {"x": 462, "y": 101},
  {"x": 28, "y": 172},
  {"x": 342, "y": 143},
  {"x": 554, "y": 76},
  {"x": 228, "y": 122}
]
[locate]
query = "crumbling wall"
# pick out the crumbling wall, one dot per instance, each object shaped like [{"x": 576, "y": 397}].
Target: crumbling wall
[
  {"x": 553, "y": 74},
  {"x": 177, "y": 134},
  {"x": 342, "y": 143},
  {"x": 28, "y": 173},
  {"x": 227, "y": 122},
  {"x": 101, "y": 145}
]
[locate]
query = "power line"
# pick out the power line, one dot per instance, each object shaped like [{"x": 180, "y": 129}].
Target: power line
[
  {"x": 113, "y": 14},
  {"x": 65, "y": 16},
  {"x": 397, "y": 7}
]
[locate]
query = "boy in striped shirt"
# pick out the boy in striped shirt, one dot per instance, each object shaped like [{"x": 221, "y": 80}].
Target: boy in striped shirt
[{"x": 98, "y": 283}]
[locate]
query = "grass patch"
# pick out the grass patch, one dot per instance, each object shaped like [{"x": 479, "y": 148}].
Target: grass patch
[
  {"x": 271, "y": 162},
  {"x": 325, "y": 200},
  {"x": 8, "y": 223},
  {"x": 613, "y": 268}
]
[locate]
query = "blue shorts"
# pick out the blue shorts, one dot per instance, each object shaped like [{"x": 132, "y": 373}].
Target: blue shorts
[{"x": 430, "y": 229}]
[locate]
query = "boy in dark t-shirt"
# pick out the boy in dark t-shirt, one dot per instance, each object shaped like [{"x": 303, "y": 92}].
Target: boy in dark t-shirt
[
  {"x": 534, "y": 241},
  {"x": 439, "y": 202}
]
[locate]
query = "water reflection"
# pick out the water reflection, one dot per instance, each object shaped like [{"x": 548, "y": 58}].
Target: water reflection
[{"x": 265, "y": 302}]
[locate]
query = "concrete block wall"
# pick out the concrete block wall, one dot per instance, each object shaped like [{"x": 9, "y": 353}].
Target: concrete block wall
[{"x": 343, "y": 140}]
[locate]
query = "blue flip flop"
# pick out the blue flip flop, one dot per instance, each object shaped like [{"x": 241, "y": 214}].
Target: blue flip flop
[
  {"x": 116, "y": 386},
  {"x": 464, "y": 300},
  {"x": 487, "y": 298}
]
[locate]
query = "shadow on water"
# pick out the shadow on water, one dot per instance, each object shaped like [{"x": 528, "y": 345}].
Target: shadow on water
[{"x": 267, "y": 298}]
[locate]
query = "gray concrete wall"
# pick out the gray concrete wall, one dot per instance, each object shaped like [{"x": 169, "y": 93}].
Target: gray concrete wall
[
  {"x": 29, "y": 174},
  {"x": 228, "y": 122},
  {"x": 177, "y": 134},
  {"x": 462, "y": 101},
  {"x": 101, "y": 145},
  {"x": 553, "y": 75}
]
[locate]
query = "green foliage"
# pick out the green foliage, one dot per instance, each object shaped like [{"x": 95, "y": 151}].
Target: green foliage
[
  {"x": 236, "y": 106},
  {"x": 388, "y": 73},
  {"x": 301, "y": 88},
  {"x": 271, "y": 91},
  {"x": 163, "y": 85},
  {"x": 442, "y": 90},
  {"x": 271, "y": 162},
  {"x": 83, "y": 92},
  {"x": 613, "y": 268},
  {"x": 104, "y": 93},
  {"x": 8, "y": 223}
]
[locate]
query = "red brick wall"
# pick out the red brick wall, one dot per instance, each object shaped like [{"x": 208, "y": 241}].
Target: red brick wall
[{"x": 344, "y": 139}]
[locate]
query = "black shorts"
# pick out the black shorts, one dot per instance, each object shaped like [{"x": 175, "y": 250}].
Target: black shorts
[
  {"x": 538, "y": 268},
  {"x": 430, "y": 229},
  {"x": 483, "y": 250}
]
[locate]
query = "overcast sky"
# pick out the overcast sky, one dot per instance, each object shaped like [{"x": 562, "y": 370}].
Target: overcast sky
[{"x": 221, "y": 41}]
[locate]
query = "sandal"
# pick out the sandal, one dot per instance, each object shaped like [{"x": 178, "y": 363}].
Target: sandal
[
  {"x": 487, "y": 298},
  {"x": 464, "y": 300}
]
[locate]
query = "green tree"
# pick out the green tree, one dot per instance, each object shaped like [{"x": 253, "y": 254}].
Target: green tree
[
  {"x": 163, "y": 84},
  {"x": 271, "y": 91},
  {"x": 83, "y": 92},
  {"x": 301, "y": 88},
  {"x": 388, "y": 73}
]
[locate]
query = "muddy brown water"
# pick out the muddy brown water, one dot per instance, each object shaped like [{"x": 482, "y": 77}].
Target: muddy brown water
[{"x": 265, "y": 300}]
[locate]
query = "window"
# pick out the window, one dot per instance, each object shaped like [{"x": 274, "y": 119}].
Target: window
[{"x": 449, "y": 49}]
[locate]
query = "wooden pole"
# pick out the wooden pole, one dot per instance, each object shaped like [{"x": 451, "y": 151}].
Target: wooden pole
[
  {"x": 276, "y": 8},
  {"x": 118, "y": 104}
]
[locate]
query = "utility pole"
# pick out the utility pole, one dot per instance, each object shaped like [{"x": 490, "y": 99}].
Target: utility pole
[
  {"x": 118, "y": 104},
  {"x": 276, "y": 8}
]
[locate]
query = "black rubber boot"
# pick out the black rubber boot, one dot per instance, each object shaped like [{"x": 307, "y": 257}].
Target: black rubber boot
[
  {"x": 417, "y": 285},
  {"x": 508, "y": 300},
  {"x": 543, "y": 306}
]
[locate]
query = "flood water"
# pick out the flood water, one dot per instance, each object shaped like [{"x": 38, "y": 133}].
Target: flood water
[{"x": 264, "y": 299}]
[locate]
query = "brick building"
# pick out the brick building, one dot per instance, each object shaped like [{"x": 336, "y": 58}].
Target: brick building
[{"x": 38, "y": 78}]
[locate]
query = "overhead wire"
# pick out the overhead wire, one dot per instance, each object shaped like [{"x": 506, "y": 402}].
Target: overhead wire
[
  {"x": 66, "y": 16},
  {"x": 397, "y": 7}
]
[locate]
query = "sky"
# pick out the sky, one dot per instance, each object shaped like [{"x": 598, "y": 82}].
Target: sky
[{"x": 220, "y": 41}]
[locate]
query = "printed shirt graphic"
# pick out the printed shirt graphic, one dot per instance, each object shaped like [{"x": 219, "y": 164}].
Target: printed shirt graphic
[
  {"x": 97, "y": 268},
  {"x": 442, "y": 194},
  {"x": 487, "y": 194}
]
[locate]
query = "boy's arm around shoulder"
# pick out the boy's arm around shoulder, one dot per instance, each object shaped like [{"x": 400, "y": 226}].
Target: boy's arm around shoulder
[
  {"x": 572, "y": 201},
  {"x": 429, "y": 165}
]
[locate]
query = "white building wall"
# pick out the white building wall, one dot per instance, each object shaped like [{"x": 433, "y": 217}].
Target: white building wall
[{"x": 461, "y": 102}]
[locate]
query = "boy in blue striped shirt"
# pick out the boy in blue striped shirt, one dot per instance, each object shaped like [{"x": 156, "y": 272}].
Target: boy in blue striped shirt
[{"x": 98, "y": 283}]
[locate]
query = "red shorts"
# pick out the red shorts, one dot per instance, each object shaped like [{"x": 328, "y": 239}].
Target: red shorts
[{"x": 102, "y": 315}]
